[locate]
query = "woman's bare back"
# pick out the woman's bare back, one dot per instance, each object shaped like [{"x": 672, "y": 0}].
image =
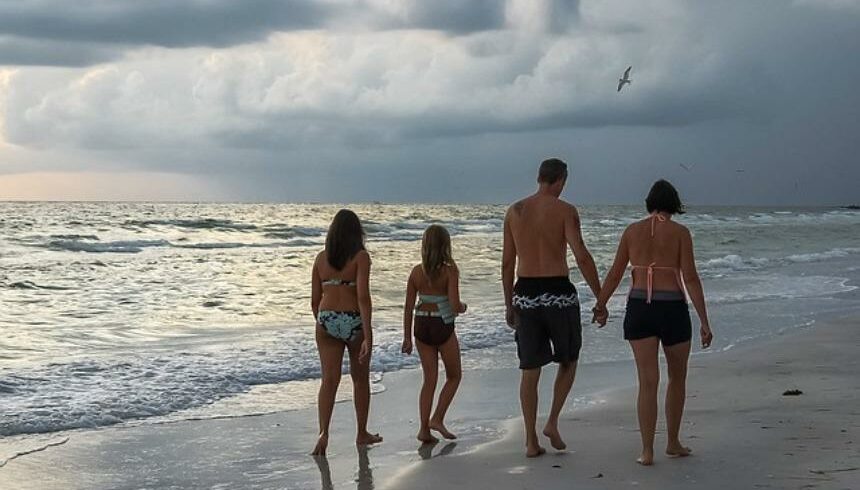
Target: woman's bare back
[{"x": 662, "y": 250}]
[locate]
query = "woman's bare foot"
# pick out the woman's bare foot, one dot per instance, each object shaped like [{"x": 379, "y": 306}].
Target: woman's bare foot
[
  {"x": 322, "y": 444},
  {"x": 554, "y": 437},
  {"x": 534, "y": 451},
  {"x": 426, "y": 437},
  {"x": 440, "y": 428},
  {"x": 368, "y": 438},
  {"x": 646, "y": 458},
  {"x": 677, "y": 450}
]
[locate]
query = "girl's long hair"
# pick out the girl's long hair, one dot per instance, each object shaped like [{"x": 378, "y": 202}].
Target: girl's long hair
[
  {"x": 345, "y": 238},
  {"x": 435, "y": 251}
]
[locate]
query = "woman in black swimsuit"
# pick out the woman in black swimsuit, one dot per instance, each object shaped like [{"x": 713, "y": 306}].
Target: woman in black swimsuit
[{"x": 660, "y": 252}]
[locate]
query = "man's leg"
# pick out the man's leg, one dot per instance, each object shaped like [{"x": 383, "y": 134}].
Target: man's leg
[
  {"x": 563, "y": 383},
  {"x": 528, "y": 402}
]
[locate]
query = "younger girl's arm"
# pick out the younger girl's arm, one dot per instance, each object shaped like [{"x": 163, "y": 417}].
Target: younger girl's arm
[
  {"x": 408, "y": 307},
  {"x": 694, "y": 287},
  {"x": 316, "y": 288},
  {"x": 613, "y": 278},
  {"x": 454, "y": 290},
  {"x": 364, "y": 303}
]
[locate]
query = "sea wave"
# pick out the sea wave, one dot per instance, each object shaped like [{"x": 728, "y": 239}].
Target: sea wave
[{"x": 93, "y": 393}]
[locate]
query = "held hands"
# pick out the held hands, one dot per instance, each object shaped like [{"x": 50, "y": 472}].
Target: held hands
[
  {"x": 601, "y": 315},
  {"x": 406, "y": 348},
  {"x": 707, "y": 335}
]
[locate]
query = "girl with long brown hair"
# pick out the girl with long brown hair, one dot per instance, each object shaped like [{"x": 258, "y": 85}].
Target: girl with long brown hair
[
  {"x": 340, "y": 299},
  {"x": 435, "y": 284}
]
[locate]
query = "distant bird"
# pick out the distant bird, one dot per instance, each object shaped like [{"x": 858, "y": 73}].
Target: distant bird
[
  {"x": 740, "y": 170},
  {"x": 626, "y": 79},
  {"x": 685, "y": 167}
]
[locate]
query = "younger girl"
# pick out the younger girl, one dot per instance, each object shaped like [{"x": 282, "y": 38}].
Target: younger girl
[{"x": 435, "y": 281}]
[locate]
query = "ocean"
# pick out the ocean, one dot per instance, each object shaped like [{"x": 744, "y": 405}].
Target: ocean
[{"x": 135, "y": 313}]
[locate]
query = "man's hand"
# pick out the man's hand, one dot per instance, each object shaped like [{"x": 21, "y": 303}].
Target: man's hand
[
  {"x": 601, "y": 315},
  {"x": 511, "y": 317}
]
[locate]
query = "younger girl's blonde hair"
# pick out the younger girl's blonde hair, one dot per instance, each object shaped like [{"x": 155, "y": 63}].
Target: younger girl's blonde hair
[{"x": 435, "y": 251}]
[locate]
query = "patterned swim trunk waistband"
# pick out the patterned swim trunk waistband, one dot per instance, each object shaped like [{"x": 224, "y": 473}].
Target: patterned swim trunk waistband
[{"x": 544, "y": 292}]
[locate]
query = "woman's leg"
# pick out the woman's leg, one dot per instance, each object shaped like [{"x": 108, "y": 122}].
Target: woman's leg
[
  {"x": 430, "y": 366},
  {"x": 331, "y": 362},
  {"x": 676, "y": 393},
  {"x": 648, "y": 369},
  {"x": 450, "y": 353},
  {"x": 360, "y": 373}
]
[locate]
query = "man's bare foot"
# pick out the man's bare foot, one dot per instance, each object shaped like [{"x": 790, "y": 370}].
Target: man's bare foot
[
  {"x": 426, "y": 437},
  {"x": 322, "y": 444},
  {"x": 534, "y": 451},
  {"x": 440, "y": 428},
  {"x": 646, "y": 458},
  {"x": 368, "y": 438},
  {"x": 677, "y": 450},
  {"x": 554, "y": 437}
]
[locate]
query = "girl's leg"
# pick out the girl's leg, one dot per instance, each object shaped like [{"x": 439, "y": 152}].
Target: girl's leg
[
  {"x": 676, "y": 393},
  {"x": 450, "y": 353},
  {"x": 430, "y": 365},
  {"x": 648, "y": 369},
  {"x": 360, "y": 373},
  {"x": 331, "y": 361}
]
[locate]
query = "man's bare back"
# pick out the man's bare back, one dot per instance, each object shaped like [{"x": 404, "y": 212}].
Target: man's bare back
[{"x": 538, "y": 225}]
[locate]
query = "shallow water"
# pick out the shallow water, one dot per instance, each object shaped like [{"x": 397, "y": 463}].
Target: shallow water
[{"x": 127, "y": 311}]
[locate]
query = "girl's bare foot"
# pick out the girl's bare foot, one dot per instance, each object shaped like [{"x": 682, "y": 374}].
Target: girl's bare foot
[
  {"x": 322, "y": 444},
  {"x": 554, "y": 437},
  {"x": 676, "y": 450},
  {"x": 534, "y": 451},
  {"x": 647, "y": 457},
  {"x": 368, "y": 438},
  {"x": 426, "y": 437},
  {"x": 440, "y": 428}
]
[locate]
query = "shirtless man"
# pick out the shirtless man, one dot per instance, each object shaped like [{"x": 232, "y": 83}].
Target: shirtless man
[{"x": 543, "y": 307}]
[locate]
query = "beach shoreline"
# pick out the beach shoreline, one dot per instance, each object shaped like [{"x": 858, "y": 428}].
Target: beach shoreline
[{"x": 725, "y": 401}]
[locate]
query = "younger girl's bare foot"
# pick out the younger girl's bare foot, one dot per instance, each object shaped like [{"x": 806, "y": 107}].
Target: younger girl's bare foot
[
  {"x": 534, "y": 451},
  {"x": 646, "y": 458},
  {"x": 368, "y": 438},
  {"x": 322, "y": 444},
  {"x": 440, "y": 428},
  {"x": 676, "y": 450},
  {"x": 554, "y": 437},
  {"x": 426, "y": 437}
]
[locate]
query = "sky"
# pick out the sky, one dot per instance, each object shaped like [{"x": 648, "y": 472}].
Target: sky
[{"x": 443, "y": 101}]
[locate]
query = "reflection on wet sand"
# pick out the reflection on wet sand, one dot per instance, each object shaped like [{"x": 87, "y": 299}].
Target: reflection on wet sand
[
  {"x": 364, "y": 475},
  {"x": 426, "y": 450}
]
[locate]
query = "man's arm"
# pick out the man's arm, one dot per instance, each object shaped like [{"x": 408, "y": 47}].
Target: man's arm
[
  {"x": 584, "y": 260},
  {"x": 509, "y": 261}
]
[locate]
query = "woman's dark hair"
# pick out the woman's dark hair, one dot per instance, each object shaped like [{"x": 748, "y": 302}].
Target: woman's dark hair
[
  {"x": 664, "y": 198},
  {"x": 345, "y": 238}
]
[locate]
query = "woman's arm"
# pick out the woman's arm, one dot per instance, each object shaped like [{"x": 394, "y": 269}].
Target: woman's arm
[
  {"x": 615, "y": 274},
  {"x": 316, "y": 288},
  {"x": 408, "y": 307},
  {"x": 364, "y": 303},
  {"x": 694, "y": 286},
  {"x": 454, "y": 290}
]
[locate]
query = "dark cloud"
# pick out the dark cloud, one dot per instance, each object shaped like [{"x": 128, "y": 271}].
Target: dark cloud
[
  {"x": 165, "y": 23},
  {"x": 28, "y": 51}
]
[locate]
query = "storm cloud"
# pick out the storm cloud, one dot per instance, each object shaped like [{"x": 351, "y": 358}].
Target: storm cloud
[{"x": 276, "y": 97}]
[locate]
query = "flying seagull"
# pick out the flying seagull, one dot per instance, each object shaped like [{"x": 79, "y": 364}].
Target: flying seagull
[
  {"x": 686, "y": 167},
  {"x": 626, "y": 80}
]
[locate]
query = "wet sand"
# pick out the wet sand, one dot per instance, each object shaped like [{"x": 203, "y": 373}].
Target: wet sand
[{"x": 744, "y": 433}]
